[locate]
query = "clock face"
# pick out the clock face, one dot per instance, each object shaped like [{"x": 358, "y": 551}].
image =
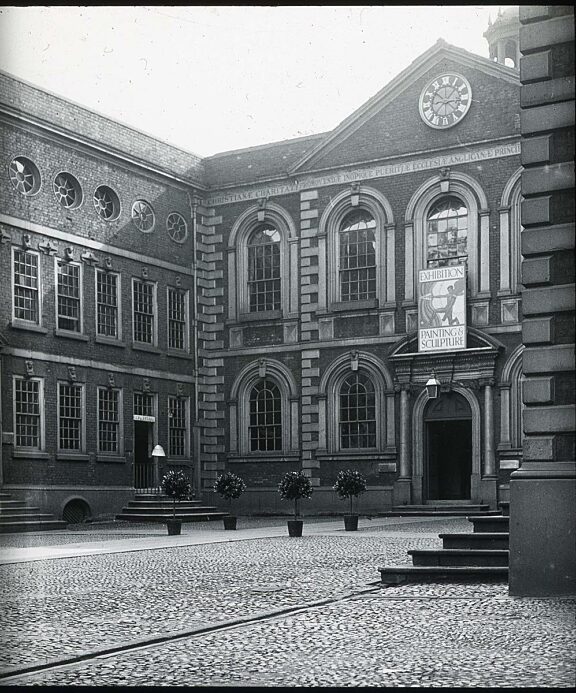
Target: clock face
[{"x": 445, "y": 101}]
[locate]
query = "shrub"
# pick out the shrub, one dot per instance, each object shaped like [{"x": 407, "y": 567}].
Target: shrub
[
  {"x": 176, "y": 485},
  {"x": 229, "y": 486},
  {"x": 349, "y": 484},
  {"x": 293, "y": 486}
]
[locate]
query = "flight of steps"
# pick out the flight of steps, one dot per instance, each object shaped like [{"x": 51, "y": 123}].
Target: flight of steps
[
  {"x": 158, "y": 508},
  {"x": 479, "y": 555},
  {"x": 17, "y": 516},
  {"x": 440, "y": 508}
]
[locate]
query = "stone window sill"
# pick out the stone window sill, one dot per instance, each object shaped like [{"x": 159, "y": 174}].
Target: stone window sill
[
  {"x": 31, "y": 454},
  {"x": 262, "y": 315},
  {"x": 72, "y": 457},
  {"x": 30, "y": 327},
  {"x": 264, "y": 457},
  {"x": 71, "y": 335},
  {"x": 179, "y": 354},
  {"x": 109, "y": 341},
  {"x": 343, "y": 306},
  {"x": 115, "y": 459},
  {"x": 151, "y": 349}
]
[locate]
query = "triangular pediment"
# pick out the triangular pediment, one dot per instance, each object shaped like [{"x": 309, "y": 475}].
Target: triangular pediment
[{"x": 389, "y": 124}]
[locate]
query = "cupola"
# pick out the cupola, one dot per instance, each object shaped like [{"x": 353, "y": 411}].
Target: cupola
[{"x": 503, "y": 37}]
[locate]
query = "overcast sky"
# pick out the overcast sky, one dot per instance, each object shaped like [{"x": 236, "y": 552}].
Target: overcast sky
[{"x": 215, "y": 78}]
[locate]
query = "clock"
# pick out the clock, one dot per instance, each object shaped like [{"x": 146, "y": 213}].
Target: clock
[{"x": 445, "y": 100}]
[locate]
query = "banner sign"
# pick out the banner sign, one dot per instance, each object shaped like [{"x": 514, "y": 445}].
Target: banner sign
[{"x": 442, "y": 308}]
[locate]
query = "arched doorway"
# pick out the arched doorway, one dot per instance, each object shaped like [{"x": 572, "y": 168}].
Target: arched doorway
[{"x": 447, "y": 448}]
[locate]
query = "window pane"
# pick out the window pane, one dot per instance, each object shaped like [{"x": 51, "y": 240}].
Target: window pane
[
  {"x": 264, "y": 269},
  {"x": 27, "y": 406},
  {"x": 143, "y": 307},
  {"x": 26, "y": 286},
  {"x": 68, "y": 297},
  {"x": 447, "y": 233},
  {"x": 107, "y": 303},
  {"x": 108, "y": 420},
  {"x": 177, "y": 426},
  {"x": 265, "y": 429},
  {"x": 357, "y": 412},
  {"x": 176, "y": 319},
  {"x": 358, "y": 257},
  {"x": 70, "y": 417}
]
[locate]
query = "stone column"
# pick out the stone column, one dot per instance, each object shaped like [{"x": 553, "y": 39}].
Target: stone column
[
  {"x": 404, "y": 434},
  {"x": 489, "y": 468}
]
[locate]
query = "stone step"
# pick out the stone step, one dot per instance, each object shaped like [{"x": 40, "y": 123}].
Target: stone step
[
  {"x": 461, "y": 512},
  {"x": 496, "y": 523},
  {"x": 186, "y": 517},
  {"x": 30, "y": 526},
  {"x": 459, "y": 557},
  {"x": 443, "y": 506},
  {"x": 163, "y": 504},
  {"x": 25, "y": 516},
  {"x": 5, "y": 496},
  {"x": 505, "y": 507},
  {"x": 168, "y": 510},
  {"x": 12, "y": 504},
  {"x": 7, "y": 512},
  {"x": 393, "y": 575},
  {"x": 475, "y": 540}
]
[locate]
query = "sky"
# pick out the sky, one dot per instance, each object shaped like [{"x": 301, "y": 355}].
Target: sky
[{"x": 214, "y": 78}]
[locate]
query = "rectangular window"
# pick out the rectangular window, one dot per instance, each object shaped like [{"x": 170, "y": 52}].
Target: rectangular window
[
  {"x": 108, "y": 420},
  {"x": 177, "y": 427},
  {"x": 107, "y": 304},
  {"x": 28, "y": 413},
  {"x": 70, "y": 407},
  {"x": 143, "y": 300},
  {"x": 68, "y": 297},
  {"x": 26, "y": 286},
  {"x": 177, "y": 319},
  {"x": 143, "y": 404}
]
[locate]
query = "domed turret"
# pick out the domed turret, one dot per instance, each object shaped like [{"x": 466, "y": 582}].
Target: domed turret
[{"x": 503, "y": 38}]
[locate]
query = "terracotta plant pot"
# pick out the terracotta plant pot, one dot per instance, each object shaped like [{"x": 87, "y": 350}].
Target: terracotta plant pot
[
  {"x": 174, "y": 526},
  {"x": 350, "y": 523},
  {"x": 230, "y": 522},
  {"x": 295, "y": 528}
]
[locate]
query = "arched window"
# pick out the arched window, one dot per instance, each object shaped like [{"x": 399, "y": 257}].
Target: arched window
[
  {"x": 263, "y": 411},
  {"x": 357, "y": 257},
  {"x": 357, "y": 412},
  {"x": 265, "y": 428},
  {"x": 264, "y": 284},
  {"x": 447, "y": 233}
]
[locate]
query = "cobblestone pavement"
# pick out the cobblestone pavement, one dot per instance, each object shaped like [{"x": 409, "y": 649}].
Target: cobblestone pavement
[{"x": 431, "y": 634}]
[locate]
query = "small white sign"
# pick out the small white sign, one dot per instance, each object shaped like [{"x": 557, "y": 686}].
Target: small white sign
[
  {"x": 442, "y": 308},
  {"x": 141, "y": 417}
]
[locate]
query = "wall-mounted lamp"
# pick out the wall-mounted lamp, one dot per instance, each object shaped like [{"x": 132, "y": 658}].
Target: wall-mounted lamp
[
  {"x": 433, "y": 387},
  {"x": 158, "y": 451}
]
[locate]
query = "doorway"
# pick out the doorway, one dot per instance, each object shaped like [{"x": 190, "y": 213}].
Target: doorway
[
  {"x": 448, "y": 448},
  {"x": 143, "y": 467}
]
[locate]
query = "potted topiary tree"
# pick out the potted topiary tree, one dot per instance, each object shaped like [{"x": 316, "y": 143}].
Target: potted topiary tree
[
  {"x": 293, "y": 486},
  {"x": 176, "y": 485},
  {"x": 350, "y": 484},
  {"x": 229, "y": 486}
]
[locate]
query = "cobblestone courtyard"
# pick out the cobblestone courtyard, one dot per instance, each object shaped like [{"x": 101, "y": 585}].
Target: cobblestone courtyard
[{"x": 257, "y": 610}]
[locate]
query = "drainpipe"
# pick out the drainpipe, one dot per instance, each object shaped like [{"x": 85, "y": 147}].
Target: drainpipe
[{"x": 193, "y": 202}]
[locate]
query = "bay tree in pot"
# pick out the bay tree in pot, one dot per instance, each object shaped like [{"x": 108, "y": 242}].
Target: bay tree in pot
[
  {"x": 229, "y": 486},
  {"x": 294, "y": 486},
  {"x": 176, "y": 485},
  {"x": 350, "y": 484}
]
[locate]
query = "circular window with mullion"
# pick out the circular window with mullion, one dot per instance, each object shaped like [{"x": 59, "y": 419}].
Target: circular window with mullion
[
  {"x": 67, "y": 190},
  {"x": 24, "y": 175},
  {"x": 143, "y": 216},
  {"x": 106, "y": 203},
  {"x": 177, "y": 227}
]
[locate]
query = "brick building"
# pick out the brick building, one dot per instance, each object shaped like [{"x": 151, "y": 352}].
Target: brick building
[{"x": 258, "y": 310}]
